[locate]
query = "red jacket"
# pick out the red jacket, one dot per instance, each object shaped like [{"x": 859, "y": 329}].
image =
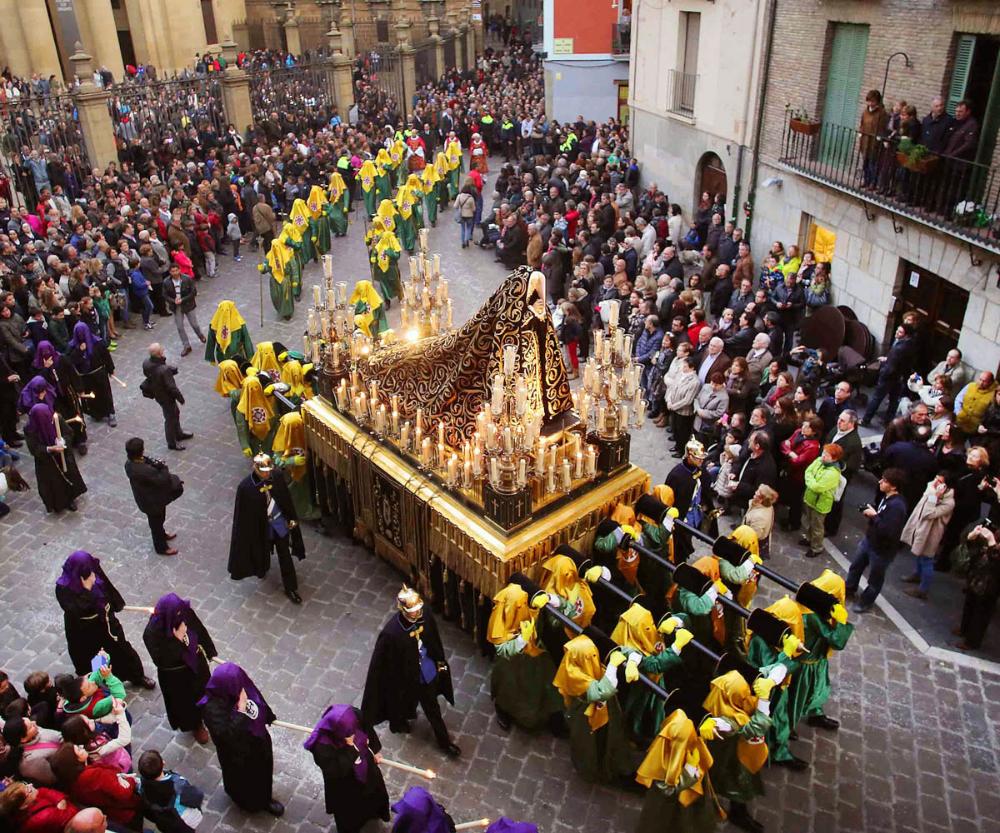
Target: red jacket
[
  {"x": 105, "y": 788},
  {"x": 44, "y": 815},
  {"x": 182, "y": 260},
  {"x": 805, "y": 449}
]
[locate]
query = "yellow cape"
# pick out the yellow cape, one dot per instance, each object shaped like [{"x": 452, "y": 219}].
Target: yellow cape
[
  {"x": 405, "y": 198},
  {"x": 635, "y": 629},
  {"x": 581, "y": 666},
  {"x": 396, "y": 152},
  {"x": 790, "y": 612},
  {"x": 383, "y": 160},
  {"x": 299, "y": 217},
  {"x": 386, "y": 211},
  {"x": 364, "y": 291},
  {"x": 336, "y": 187},
  {"x": 668, "y": 753},
  {"x": 441, "y": 163},
  {"x": 510, "y": 609},
  {"x": 386, "y": 243},
  {"x": 292, "y": 375},
  {"x": 225, "y": 322},
  {"x": 414, "y": 183},
  {"x": 279, "y": 256},
  {"x": 230, "y": 378},
  {"x": 256, "y": 406},
  {"x": 264, "y": 358},
  {"x": 560, "y": 576},
  {"x": 367, "y": 174},
  {"x": 729, "y": 696},
  {"x": 290, "y": 441},
  {"x": 317, "y": 199},
  {"x": 430, "y": 177},
  {"x": 453, "y": 152},
  {"x": 831, "y": 583}
]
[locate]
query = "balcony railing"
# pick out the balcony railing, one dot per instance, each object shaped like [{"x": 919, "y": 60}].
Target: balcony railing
[
  {"x": 680, "y": 92},
  {"x": 954, "y": 195},
  {"x": 621, "y": 38}
]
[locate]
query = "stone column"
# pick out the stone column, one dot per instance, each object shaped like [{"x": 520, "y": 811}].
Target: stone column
[
  {"x": 470, "y": 44},
  {"x": 36, "y": 33},
  {"x": 292, "y": 39},
  {"x": 235, "y": 89},
  {"x": 462, "y": 54},
  {"x": 347, "y": 33},
  {"x": 407, "y": 55},
  {"x": 13, "y": 44},
  {"x": 103, "y": 41},
  {"x": 434, "y": 27},
  {"x": 340, "y": 74},
  {"x": 92, "y": 107}
]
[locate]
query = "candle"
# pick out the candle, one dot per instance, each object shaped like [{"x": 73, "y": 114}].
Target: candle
[
  {"x": 491, "y": 436},
  {"x": 509, "y": 354},
  {"x": 418, "y": 437},
  {"x": 315, "y": 351},
  {"x": 404, "y": 317},
  {"x": 619, "y": 342},
  {"x": 404, "y": 437},
  {"x": 552, "y": 457},
  {"x": 591, "y": 461},
  {"x": 601, "y": 418},
  {"x": 362, "y": 405},
  {"x": 442, "y": 455},
  {"x": 317, "y": 297},
  {"x": 437, "y": 265},
  {"x": 585, "y": 411},
  {"x": 613, "y": 308},
  {"x": 342, "y": 395},
  {"x": 441, "y": 290},
  {"x": 336, "y": 354},
  {"x": 448, "y": 312},
  {"x": 579, "y": 465},
  {"x": 452, "y": 469},
  {"x": 622, "y": 417},
  {"x": 627, "y": 350},
  {"x": 494, "y": 470},
  {"x": 330, "y": 302},
  {"x": 481, "y": 423},
  {"x": 427, "y": 298},
  {"x": 522, "y": 472},
  {"x": 328, "y": 266},
  {"x": 373, "y": 390},
  {"x": 640, "y": 413},
  {"x": 520, "y": 395},
  {"x": 567, "y": 480},
  {"x": 357, "y": 407},
  {"x": 413, "y": 267},
  {"x": 550, "y": 479},
  {"x": 598, "y": 343},
  {"x": 441, "y": 433},
  {"x": 380, "y": 419},
  {"x": 425, "y": 451},
  {"x": 612, "y": 388},
  {"x": 420, "y": 419},
  {"x": 467, "y": 475},
  {"x": 540, "y": 457},
  {"x": 477, "y": 461},
  {"x": 508, "y": 440},
  {"x": 342, "y": 292},
  {"x": 497, "y": 403},
  {"x": 395, "y": 422}
]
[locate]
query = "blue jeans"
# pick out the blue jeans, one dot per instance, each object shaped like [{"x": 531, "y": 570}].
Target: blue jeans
[
  {"x": 877, "y": 564},
  {"x": 147, "y": 307},
  {"x": 925, "y": 570},
  {"x": 467, "y": 226}
]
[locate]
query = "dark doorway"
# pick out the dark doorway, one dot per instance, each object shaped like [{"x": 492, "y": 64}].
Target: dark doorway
[
  {"x": 127, "y": 48},
  {"x": 208, "y": 15},
  {"x": 940, "y": 302},
  {"x": 711, "y": 177}
]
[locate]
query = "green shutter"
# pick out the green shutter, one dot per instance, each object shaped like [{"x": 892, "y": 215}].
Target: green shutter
[
  {"x": 843, "y": 90},
  {"x": 960, "y": 74}
]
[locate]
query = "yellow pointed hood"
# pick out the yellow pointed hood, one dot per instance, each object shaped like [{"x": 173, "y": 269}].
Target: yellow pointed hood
[
  {"x": 292, "y": 375},
  {"x": 336, "y": 187},
  {"x": 635, "y": 629},
  {"x": 580, "y": 666},
  {"x": 676, "y": 742},
  {"x": 290, "y": 441},
  {"x": 317, "y": 199},
  {"x": 256, "y": 407},
  {"x": 225, "y": 321},
  {"x": 367, "y": 174},
  {"x": 299, "y": 216},
  {"x": 230, "y": 378},
  {"x": 264, "y": 358}
]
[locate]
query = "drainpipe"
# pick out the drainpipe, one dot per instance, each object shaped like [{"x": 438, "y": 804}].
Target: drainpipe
[{"x": 758, "y": 128}]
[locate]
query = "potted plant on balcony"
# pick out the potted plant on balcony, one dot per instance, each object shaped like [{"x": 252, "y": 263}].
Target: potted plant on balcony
[
  {"x": 915, "y": 157},
  {"x": 799, "y": 121}
]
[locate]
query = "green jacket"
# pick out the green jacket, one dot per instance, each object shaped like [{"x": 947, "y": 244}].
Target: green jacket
[{"x": 821, "y": 482}]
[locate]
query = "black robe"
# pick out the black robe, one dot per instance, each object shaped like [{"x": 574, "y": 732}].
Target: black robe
[
  {"x": 247, "y": 761},
  {"x": 352, "y": 802},
  {"x": 66, "y": 381},
  {"x": 684, "y": 484},
  {"x": 250, "y": 545},
  {"x": 392, "y": 688},
  {"x": 89, "y": 628},
  {"x": 181, "y": 686},
  {"x": 57, "y": 488},
  {"x": 95, "y": 378}
]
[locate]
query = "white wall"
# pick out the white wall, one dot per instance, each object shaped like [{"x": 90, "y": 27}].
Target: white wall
[{"x": 573, "y": 88}]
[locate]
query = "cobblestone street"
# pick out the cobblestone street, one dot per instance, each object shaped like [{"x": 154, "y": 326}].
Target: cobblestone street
[{"x": 917, "y": 751}]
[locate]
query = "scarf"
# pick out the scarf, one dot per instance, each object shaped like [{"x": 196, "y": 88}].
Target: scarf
[
  {"x": 230, "y": 378},
  {"x": 225, "y": 322},
  {"x": 79, "y": 566},
  {"x": 170, "y": 611},
  {"x": 256, "y": 406},
  {"x": 226, "y": 683},
  {"x": 336, "y": 725}
]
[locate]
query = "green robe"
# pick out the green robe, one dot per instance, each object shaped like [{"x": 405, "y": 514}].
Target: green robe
[
  {"x": 240, "y": 346},
  {"x": 382, "y": 189},
  {"x": 642, "y": 707},
  {"x": 336, "y": 213},
  {"x": 453, "y": 180},
  {"x": 699, "y": 611},
  {"x": 810, "y": 689},
  {"x": 417, "y": 215},
  {"x": 730, "y": 778},
  {"x": 301, "y": 492},
  {"x": 601, "y": 756},
  {"x": 521, "y": 686},
  {"x": 388, "y": 280},
  {"x": 736, "y": 626},
  {"x": 431, "y": 202},
  {"x": 381, "y": 322},
  {"x": 320, "y": 229},
  {"x": 662, "y": 811},
  {"x": 247, "y": 439},
  {"x": 762, "y": 655},
  {"x": 370, "y": 197},
  {"x": 654, "y": 578},
  {"x": 406, "y": 232},
  {"x": 282, "y": 294}
]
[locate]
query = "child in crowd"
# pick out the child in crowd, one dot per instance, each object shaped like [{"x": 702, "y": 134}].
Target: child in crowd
[
  {"x": 235, "y": 235},
  {"x": 169, "y": 800}
]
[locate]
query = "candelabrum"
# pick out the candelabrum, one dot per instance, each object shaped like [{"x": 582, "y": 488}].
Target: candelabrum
[
  {"x": 426, "y": 308},
  {"x": 611, "y": 397},
  {"x": 330, "y": 339}
]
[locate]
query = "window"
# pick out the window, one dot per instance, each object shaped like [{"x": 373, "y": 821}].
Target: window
[
  {"x": 975, "y": 76},
  {"x": 819, "y": 240},
  {"x": 842, "y": 103},
  {"x": 683, "y": 79},
  {"x": 690, "y": 32}
]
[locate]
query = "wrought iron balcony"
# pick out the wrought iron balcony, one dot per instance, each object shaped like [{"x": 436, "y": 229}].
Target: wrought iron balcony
[
  {"x": 953, "y": 195},
  {"x": 680, "y": 92}
]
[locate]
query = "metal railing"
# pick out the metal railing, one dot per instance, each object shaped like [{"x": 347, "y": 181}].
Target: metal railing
[
  {"x": 41, "y": 145},
  {"x": 954, "y": 195},
  {"x": 305, "y": 88},
  {"x": 681, "y": 88},
  {"x": 621, "y": 38}
]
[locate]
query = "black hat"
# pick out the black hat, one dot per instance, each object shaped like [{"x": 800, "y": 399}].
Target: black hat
[
  {"x": 527, "y": 585},
  {"x": 692, "y": 580},
  {"x": 767, "y": 626},
  {"x": 732, "y": 661},
  {"x": 651, "y": 507},
  {"x": 817, "y": 600},
  {"x": 730, "y": 550},
  {"x": 279, "y": 348},
  {"x": 606, "y": 527}
]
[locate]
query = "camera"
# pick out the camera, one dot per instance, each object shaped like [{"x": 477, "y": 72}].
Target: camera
[{"x": 863, "y": 506}]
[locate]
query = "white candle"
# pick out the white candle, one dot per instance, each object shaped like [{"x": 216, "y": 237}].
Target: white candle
[
  {"x": 425, "y": 451},
  {"x": 520, "y": 395},
  {"x": 467, "y": 475},
  {"x": 509, "y": 355},
  {"x": 540, "y": 457},
  {"x": 330, "y": 301},
  {"x": 522, "y": 472},
  {"x": 449, "y": 314},
  {"x": 591, "y": 461},
  {"x": 497, "y": 403},
  {"x": 598, "y": 343},
  {"x": 508, "y": 440},
  {"x": 395, "y": 423},
  {"x": 585, "y": 411},
  {"x": 627, "y": 349},
  {"x": 315, "y": 350},
  {"x": 601, "y": 418},
  {"x": 640, "y": 413},
  {"x": 481, "y": 423},
  {"x": 441, "y": 290},
  {"x": 420, "y": 419},
  {"x": 623, "y": 417},
  {"x": 362, "y": 405},
  {"x": 550, "y": 479},
  {"x": 404, "y": 437},
  {"x": 613, "y": 308},
  {"x": 342, "y": 395},
  {"x": 317, "y": 296},
  {"x": 477, "y": 461},
  {"x": 494, "y": 470},
  {"x": 437, "y": 266},
  {"x": 418, "y": 437},
  {"x": 380, "y": 419},
  {"x": 336, "y": 354},
  {"x": 342, "y": 292},
  {"x": 613, "y": 388},
  {"x": 441, "y": 433},
  {"x": 579, "y": 465},
  {"x": 452, "y": 469},
  {"x": 328, "y": 266},
  {"x": 413, "y": 268},
  {"x": 491, "y": 436},
  {"x": 619, "y": 342},
  {"x": 567, "y": 479}
]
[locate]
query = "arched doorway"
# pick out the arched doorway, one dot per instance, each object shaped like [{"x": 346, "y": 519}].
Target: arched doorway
[{"x": 711, "y": 177}]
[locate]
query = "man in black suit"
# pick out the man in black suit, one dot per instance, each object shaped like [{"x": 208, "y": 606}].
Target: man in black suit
[
  {"x": 153, "y": 487},
  {"x": 758, "y": 468},
  {"x": 160, "y": 385}
]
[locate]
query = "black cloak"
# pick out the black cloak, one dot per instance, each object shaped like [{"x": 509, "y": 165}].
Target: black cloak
[
  {"x": 95, "y": 380},
  {"x": 90, "y": 627},
  {"x": 181, "y": 686},
  {"x": 247, "y": 760},
  {"x": 250, "y": 545},
  {"x": 392, "y": 688},
  {"x": 57, "y": 488}
]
